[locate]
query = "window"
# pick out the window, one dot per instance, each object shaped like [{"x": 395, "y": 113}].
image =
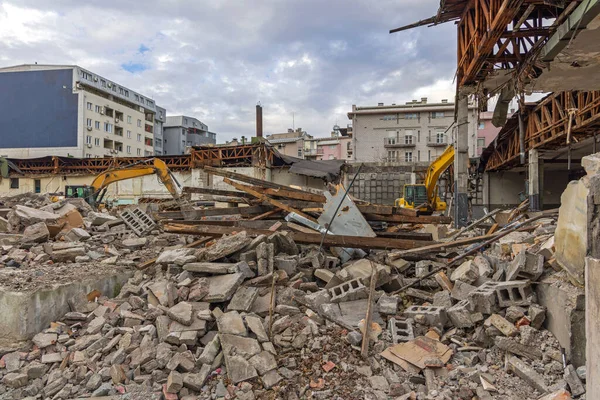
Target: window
[
  {"x": 87, "y": 155},
  {"x": 438, "y": 114},
  {"x": 332, "y": 146},
  {"x": 428, "y": 155},
  {"x": 139, "y": 123},
  {"x": 89, "y": 105},
  {"x": 139, "y": 152},
  {"x": 88, "y": 139},
  {"x": 126, "y": 93},
  {"x": 103, "y": 82},
  {"x": 481, "y": 125},
  {"x": 98, "y": 109},
  {"x": 89, "y": 122},
  {"x": 185, "y": 121},
  {"x": 160, "y": 114},
  {"x": 388, "y": 118},
  {"x": 418, "y": 155},
  {"x": 408, "y": 137},
  {"x": 108, "y": 127},
  {"x": 391, "y": 155},
  {"x": 121, "y": 90},
  {"x": 331, "y": 157},
  {"x": 129, "y": 119},
  {"x": 128, "y": 149},
  {"x": 97, "y": 125},
  {"x": 97, "y": 141},
  {"x": 37, "y": 185},
  {"x": 440, "y": 138},
  {"x": 114, "y": 87},
  {"x": 411, "y": 115},
  {"x": 86, "y": 75},
  {"x": 139, "y": 137},
  {"x": 480, "y": 142},
  {"x": 137, "y": 97},
  {"x": 408, "y": 156},
  {"x": 128, "y": 134},
  {"x": 14, "y": 183}
]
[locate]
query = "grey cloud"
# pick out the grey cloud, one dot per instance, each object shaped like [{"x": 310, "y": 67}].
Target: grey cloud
[{"x": 215, "y": 60}]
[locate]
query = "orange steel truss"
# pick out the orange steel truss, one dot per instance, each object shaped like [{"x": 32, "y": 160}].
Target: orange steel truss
[{"x": 559, "y": 117}]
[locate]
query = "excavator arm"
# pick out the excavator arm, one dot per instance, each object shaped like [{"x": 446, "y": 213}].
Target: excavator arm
[
  {"x": 146, "y": 167},
  {"x": 437, "y": 168}
]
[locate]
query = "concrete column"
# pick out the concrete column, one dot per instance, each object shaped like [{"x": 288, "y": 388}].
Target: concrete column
[
  {"x": 461, "y": 162},
  {"x": 536, "y": 181}
]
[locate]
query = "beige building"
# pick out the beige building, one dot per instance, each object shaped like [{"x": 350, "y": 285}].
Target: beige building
[
  {"x": 65, "y": 110},
  {"x": 408, "y": 133},
  {"x": 299, "y": 144}
]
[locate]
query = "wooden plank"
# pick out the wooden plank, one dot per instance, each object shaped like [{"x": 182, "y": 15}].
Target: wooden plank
[
  {"x": 439, "y": 247},
  {"x": 264, "y": 215},
  {"x": 364, "y": 350},
  {"x": 423, "y": 219},
  {"x": 218, "y": 192},
  {"x": 300, "y": 228},
  {"x": 248, "y": 179},
  {"x": 251, "y": 210},
  {"x": 299, "y": 237},
  {"x": 264, "y": 197},
  {"x": 290, "y": 194},
  {"x": 387, "y": 210},
  {"x": 492, "y": 229},
  {"x": 407, "y": 235}
]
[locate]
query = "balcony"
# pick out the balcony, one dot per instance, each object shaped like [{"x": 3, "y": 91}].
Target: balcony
[
  {"x": 399, "y": 142},
  {"x": 148, "y": 128},
  {"x": 310, "y": 152},
  {"x": 438, "y": 141}
]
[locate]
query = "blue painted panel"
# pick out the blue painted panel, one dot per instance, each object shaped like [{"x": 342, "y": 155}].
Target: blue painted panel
[{"x": 38, "y": 109}]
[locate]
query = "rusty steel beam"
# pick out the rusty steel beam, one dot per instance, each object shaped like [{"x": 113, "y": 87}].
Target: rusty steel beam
[{"x": 547, "y": 126}]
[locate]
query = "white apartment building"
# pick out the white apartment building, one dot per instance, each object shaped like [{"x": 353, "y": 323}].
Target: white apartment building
[
  {"x": 413, "y": 132},
  {"x": 66, "y": 110}
]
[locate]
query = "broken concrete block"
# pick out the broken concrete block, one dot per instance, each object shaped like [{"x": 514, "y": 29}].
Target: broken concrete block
[
  {"x": 425, "y": 267},
  {"x": 134, "y": 243},
  {"x": 537, "y": 316},
  {"x": 283, "y": 242},
  {"x": 263, "y": 362},
  {"x": 196, "y": 381},
  {"x": 467, "y": 272},
  {"x": 182, "y": 313},
  {"x": 461, "y": 316},
  {"x": 169, "y": 256},
  {"x": 514, "y": 293},
  {"x": 244, "y": 346},
  {"x": 570, "y": 376},
  {"x": 527, "y": 373},
  {"x": 442, "y": 299},
  {"x": 77, "y": 235},
  {"x": 212, "y": 268},
  {"x": 484, "y": 298},
  {"x": 224, "y": 247},
  {"x": 514, "y": 347},
  {"x": 461, "y": 290},
  {"x": 221, "y": 288},
  {"x": 502, "y": 325},
  {"x": 243, "y": 299},
  {"x": 174, "y": 382},
  {"x": 561, "y": 394},
  {"x": 324, "y": 274},
  {"x": 36, "y": 233},
  {"x": 437, "y": 231},
  {"x": 238, "y": 369},
  {"x": 232, "y": 323},
  {"x": 210, "y": 351},
  {"x": 43, "y": 340},
  {"x": 15, "y": 380},
  {"x": 347, "y": 291},
  {"x": 401, "y": 330},
  {"x": 483, "y": 266},
  {"x": 428, "y": 315},
  {"x": 99, "y": 218},
  {"x": 289, "y": 264},
  {"x": 388, "y": 304},
  {"x": 526, "y": 266}
]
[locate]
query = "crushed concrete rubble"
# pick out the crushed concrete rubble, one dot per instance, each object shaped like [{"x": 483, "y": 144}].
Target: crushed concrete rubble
[{"x": 261, "y": 317}]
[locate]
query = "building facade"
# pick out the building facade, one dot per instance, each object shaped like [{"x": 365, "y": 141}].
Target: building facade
[
  {"x": 486, "y": 131},
  {"x": 297, "y": 143},
  {"x": 414, "y": 132},
  {"x": 181, "y": 132},
  {"x": 65, "y": 110},
  {"x": 159, "y": 125}
]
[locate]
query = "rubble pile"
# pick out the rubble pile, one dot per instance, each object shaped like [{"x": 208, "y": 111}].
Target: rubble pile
[{"x": 259, "y": 316}]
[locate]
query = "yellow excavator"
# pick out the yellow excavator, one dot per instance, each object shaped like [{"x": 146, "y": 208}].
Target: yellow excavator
[
  {"x": 424, "y": 196},
  {"x": 95, "y": 192}
]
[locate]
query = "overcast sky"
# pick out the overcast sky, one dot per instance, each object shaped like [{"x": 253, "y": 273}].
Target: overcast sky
[{"x": 214, "y": 60}]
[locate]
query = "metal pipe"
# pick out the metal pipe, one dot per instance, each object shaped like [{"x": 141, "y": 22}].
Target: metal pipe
[{"x": 521, "y": 138}]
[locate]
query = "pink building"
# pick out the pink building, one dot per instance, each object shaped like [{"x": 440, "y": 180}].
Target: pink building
[{"x": 486, "y": 132}]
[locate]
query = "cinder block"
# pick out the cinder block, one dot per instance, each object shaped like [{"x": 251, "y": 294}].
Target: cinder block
[
  {"x": 461, "y": 316},
  {"x": 348, "y": 291},
  {"x": 139, "y": 222},
  {"x": 330, "y": 262},
  {"x": 525, "y": 266},
  {"x": 484, "y": 298},
  {"x": 514, "y": 293},
  {"x": 401, "y": 330},
  {"x": 424, "y": 267},
  {"x": 431, "y": 315}
]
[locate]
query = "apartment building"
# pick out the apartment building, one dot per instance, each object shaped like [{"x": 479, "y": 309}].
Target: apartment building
[
  {"x": 299, "y": 144},
  {"x": 407, "y": 133},
  {"x": 181, "y": 132},
  {"x": 292, "y": 143},
  {"x": 66, "y": 110},
  {"x": 159, "y": 121}
]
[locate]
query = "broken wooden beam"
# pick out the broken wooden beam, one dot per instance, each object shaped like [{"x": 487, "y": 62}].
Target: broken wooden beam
[
  {"x": 244, "y": 211},
  {"x": 387, "y": 210},
  {"x": 297, "y": 195},
  {"x": 299, "y": 237},
  {"x": 247, "y": 179},
  {"x": 263, "y": 197},
  {"x": 218, "y": 192},
  {"x": 438, "y": 247},
  {"x": 423, "y": 219}
]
